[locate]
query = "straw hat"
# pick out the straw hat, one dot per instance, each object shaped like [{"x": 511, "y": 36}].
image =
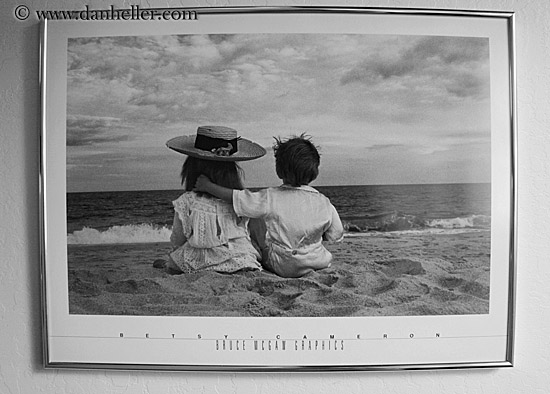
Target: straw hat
[{"x": 216, "y": 143}]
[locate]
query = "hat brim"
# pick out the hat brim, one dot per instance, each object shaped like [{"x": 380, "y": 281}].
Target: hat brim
[{"x": 247, "y": 150}]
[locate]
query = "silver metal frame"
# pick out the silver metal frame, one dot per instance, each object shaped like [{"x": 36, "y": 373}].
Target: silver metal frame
[
  {"x": 508, "y": 362},
  {"x": 513, "y": 190}
]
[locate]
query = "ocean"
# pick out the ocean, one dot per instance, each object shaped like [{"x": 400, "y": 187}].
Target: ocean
[{"x": 146, "y": 216}]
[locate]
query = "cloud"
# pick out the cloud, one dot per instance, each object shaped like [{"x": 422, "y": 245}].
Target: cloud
[
  {"x": 355, "y": 94},
  {"x": 188, "y": 77},
  {"x": 428, "y": 66},
  {"x": 195, "y": 77},
  {"x": 91, "y": 130},
  {"x": 382, "y": 147}
]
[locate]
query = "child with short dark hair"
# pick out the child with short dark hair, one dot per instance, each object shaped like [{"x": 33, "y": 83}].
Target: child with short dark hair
[
  {"x": 297, "y": 217},
  {"x": 296, "y": 160}
]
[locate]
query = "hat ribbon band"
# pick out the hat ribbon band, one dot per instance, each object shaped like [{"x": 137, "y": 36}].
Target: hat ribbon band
[{"x": 218, "y": 146}]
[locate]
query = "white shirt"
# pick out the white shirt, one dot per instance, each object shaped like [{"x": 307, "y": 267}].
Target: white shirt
[{"x": 297, "y": 220}]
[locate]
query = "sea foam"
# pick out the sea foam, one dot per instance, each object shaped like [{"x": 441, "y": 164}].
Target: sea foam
[
  {"x": 460, "y": 222},
  {"x": 138, "y": 233},
  {"x": 396, "y": 222}
]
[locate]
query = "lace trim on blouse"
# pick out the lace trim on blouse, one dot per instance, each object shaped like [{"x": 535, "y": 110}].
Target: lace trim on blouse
[{"x": 216, "y": 238}]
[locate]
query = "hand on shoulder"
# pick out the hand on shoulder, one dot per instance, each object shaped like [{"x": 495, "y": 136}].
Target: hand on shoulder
[{"x": 202, "y": 184}]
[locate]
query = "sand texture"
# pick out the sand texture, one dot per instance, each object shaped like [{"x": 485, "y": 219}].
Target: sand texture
[{"x": 376, "y": 275}]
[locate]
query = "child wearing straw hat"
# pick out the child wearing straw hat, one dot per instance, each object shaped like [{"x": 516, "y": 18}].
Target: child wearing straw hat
[
  {"x": 297, "y": 217},
  {"x": 206, "y": 232}
]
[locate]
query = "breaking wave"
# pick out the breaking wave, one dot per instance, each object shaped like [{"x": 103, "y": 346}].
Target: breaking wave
[
  {"x": 394, "y": 221},
  {"x": 135, "y": 233},
  {"x": 387, "y": 222}
]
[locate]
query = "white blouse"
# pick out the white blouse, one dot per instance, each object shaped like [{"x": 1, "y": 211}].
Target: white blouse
[{"x": 208, "y": 235}]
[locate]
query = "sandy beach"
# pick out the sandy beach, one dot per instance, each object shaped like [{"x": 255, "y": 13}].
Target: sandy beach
[{"x": 378, "y": 274}]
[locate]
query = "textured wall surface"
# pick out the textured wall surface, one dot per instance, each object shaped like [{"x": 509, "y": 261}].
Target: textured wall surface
[{"x": 20, "y": 343}]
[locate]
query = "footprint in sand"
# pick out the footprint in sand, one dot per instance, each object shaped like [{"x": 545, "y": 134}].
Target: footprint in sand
[
  {"x": 328, "y": 279},
  {"x": 287, "y": 301},
  {"x": 279, "y": 294},
  {"x": 264, "y": 287},
  {"x": 84, "y": 288},
  {"x": 399, "y": 267},
  {"x": 384, "y": 286},
  {"x": 132, "y": 286},
  {"x": 451, "y": 282},
  {"x": 260, "y": 307},
  {"x": 476, "y": 289},
  {"x": 443, "y": 295},
  {"x": 473, "y": 288}
]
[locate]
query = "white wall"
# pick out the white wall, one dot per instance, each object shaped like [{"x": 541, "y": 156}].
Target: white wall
[{"x": 20, "y": 333}]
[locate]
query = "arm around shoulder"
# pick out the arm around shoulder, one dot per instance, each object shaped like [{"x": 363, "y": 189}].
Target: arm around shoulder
[
  {"x": 205, "y": 185},
  {"x": 251, "y": 204}
]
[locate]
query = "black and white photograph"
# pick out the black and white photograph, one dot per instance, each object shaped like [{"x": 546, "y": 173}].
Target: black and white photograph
[
  {"x": 263, "y": 176},
  {"x": 403, "y": 129}
]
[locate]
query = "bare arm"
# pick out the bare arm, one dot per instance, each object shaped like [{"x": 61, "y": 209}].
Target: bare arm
[
  {"x": 177, "y": 238},
  {"x": 205, "y": 185}
]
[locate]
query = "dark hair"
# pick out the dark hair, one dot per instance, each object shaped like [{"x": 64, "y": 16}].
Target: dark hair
[
  {"x": 224, "y": 173},
  {"x": 296, "y": 160}
]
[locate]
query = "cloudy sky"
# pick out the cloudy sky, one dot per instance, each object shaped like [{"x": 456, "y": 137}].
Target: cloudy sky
[{"x": 383, "y": 109}]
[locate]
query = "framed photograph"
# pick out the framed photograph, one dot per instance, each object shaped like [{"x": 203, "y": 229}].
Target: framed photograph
[{"x": 412, "y": 113}]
